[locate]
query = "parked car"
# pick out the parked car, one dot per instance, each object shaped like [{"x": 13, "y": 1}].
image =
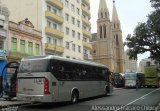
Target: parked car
[{"x": 117, "y": 80}]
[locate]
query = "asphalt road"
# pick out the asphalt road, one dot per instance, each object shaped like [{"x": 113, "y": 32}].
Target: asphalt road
[{"x": 143, "y": 99}]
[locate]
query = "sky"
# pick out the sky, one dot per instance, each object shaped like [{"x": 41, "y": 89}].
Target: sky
[{"x": 130, "y": 13}]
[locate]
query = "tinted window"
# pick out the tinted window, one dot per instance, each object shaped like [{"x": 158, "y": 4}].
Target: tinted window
[
  {"x": 42, "y": 65},
  {"x": 63, "y": 70},
  {"x": 130, "y": 76}
]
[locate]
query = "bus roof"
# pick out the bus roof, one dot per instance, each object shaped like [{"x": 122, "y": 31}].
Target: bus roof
[{"x": 64, "y": 59}]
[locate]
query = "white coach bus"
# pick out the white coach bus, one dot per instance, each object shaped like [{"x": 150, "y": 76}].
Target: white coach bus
[{"x": 53, "y": 79}]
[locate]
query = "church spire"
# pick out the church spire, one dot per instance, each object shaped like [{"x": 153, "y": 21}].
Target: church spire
[
  {"x": 103, "y": 10},
  {"x": 115, "y": 18}
]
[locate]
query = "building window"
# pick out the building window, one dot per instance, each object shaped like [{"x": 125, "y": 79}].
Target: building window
[
  {"x": 54, "y": 10},
  {"x": 55, "y": 41},
  {"x": 67, "y": 3},
  {"x": 114, "y": 26},
  {"x": 48, "y": 23},
  {"x": 85, "y": 39},
  {"x": 1, "y": 44},
  {"x": 73, "y": 47},
  {"x": 78, "y": 11},
  {"x": 79, "y": 36},
  {"x": 73, "y": 20},
  {"x": 22, "y": 46},
  {"x": 30, "y": 48},
  {"x": 54, "y": 25},
  {"x": 14, "y": 44},
  {"x": 67, "y": 31},
  {"x": 78, "y": 23},
  {"x": 79, "y": 49},
  {"x": 48, "y": 8},
  {"x": 48, "y": 40},
  {"x": 67, "y": 45},
  {"x": 85, "y": 53},
  {"x": 67, "y": 17},
  {"x": 37, "y": 48},
  {"x": 117, "y": 41},
  {"x": 104, "y": 28},
  {"x": 73, "y": 33},
  {"x": 72, "y": 7},
  {"x": 94, "y": 51},
  {"x": 84, "y": 27},
  {"x": 100, "y": 30}
]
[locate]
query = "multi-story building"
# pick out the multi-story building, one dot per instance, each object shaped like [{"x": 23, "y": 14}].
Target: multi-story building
[
  {"x": 23, "y": 40},
  {"x": 143, "y": 63},
  {"x": 4, "y": 19},
  {"x": 130, "y": 64},
  {"x": 64, "y": 24},
  {"x": 107, "y": 43}
]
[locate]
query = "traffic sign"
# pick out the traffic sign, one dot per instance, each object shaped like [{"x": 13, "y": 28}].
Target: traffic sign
[{"x": 2, "y": 53}]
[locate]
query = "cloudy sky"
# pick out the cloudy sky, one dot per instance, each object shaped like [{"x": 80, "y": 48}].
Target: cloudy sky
[{"x": 130, "y": 12}]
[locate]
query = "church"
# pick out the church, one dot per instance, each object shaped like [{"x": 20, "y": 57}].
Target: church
[{"x": 107, "y": 43}]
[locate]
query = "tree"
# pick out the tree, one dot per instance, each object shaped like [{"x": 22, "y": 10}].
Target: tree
[{"x": 146, "y": 36}]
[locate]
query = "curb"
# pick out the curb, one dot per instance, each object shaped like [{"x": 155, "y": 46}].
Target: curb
[{"x": 12, "y": 104}]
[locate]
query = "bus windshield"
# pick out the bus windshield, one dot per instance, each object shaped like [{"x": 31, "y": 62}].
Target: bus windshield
[
  {"x": 130, "y": 76},
  {"x": 34, "y": 66}
]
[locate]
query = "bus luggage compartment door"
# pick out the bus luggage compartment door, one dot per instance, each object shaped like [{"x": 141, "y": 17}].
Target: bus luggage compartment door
[{"x": 31, "y": 86}]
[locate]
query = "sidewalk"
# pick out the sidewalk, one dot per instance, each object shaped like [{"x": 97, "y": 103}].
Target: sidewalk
[{"x": 8, "y": 103}]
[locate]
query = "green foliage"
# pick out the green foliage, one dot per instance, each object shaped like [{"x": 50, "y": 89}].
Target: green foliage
[
  {"x": 146, "y": 36},
  {"x": 150, "y": 72}
]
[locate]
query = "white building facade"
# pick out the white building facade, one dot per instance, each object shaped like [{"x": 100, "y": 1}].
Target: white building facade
[
  {"x": 130, "y": 64},
  {"x": 4, "y": 18},
  {"x": 64, "y": 24}
]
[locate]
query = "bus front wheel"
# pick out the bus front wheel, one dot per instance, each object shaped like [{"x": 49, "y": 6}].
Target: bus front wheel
[{"x": 74, "y": 97}]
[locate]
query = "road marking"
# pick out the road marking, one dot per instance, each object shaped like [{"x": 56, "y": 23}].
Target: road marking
[{"x": 138, "y": 99}]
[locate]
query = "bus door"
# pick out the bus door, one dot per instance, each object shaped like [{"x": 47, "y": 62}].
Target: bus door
[{"x": 10, "y": 70}]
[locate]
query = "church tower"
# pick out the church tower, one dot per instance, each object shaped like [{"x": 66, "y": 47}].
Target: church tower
[
  {"x": 118, "y": 42},
  {"x": 104, "y": 44},
  {"x": 108, "y": 48}
]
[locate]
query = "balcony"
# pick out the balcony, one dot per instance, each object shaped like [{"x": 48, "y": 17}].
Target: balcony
[
  {"x": 54, "y": 48},
  {"x": 87, "y": 45},
  {"x": 86, "y": 22},
  {"x": 87, "y": 33},
  {"x": 16, "y": 55},
  {"x": 57, "y": 3},
  {"x": 55, "y": 32},
  {"x": 86, "y": 11},
  {"x": 54, "y": 17},
  {"x": 3, "y": 33}
]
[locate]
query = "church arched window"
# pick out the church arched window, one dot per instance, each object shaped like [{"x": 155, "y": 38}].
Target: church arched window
[
  {"x": 100, "y": 30},
  {"x": 106, "y": 14},
  {"x": 104, "y": 29},
  {"x": 117, "y": 41},
  {"x": 101, "y": 15},
  {"x": 114, "y": 26}
]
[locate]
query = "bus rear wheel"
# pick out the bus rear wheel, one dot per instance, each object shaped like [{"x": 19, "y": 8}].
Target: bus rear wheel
[
  {"x": 74, "y": 97},
  {"x": 106, "y": 91}
]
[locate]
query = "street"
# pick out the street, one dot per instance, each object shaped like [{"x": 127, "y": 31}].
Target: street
[{"x": 120, "y": 98}]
